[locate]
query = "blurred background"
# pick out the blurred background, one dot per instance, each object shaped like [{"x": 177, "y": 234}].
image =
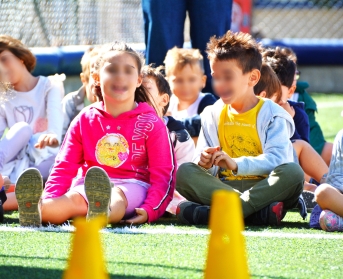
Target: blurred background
[{"x": 313, "y": 29}]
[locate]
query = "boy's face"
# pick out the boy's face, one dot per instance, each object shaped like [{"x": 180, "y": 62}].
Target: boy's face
[
  {"x": 186, "y": 83},
  {"x": 229, "y": 82},
  {"x": 160, "y": 100}
]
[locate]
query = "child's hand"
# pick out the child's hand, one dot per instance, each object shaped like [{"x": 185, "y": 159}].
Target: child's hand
[
  {"x": 221, "y": 159},
  {"x": 47, "y": 140},
  {"x": 140, "y": 218},
  {"x": 288, "y": 108},
  {"x": 206, "y": 157}
]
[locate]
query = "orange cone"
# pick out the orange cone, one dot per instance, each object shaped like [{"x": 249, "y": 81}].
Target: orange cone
[{"x": 226, "y": 250}]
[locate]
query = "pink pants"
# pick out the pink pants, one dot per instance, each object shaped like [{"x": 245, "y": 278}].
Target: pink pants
[{"x": 135, "y": 193}]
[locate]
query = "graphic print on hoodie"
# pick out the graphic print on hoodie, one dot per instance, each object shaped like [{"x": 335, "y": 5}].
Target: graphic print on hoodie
[{"x": 134, "y": 145}]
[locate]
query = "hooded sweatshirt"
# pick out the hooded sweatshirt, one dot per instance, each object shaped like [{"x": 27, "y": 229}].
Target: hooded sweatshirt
[
  {"x": 134, "y": 145},
  {"x": 275, "y": 127}
]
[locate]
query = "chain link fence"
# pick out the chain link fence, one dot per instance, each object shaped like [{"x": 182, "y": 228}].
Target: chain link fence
[{"x": 41, "y": 23}]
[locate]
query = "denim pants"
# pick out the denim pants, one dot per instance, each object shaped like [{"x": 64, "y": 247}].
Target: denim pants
[
  {"x": 284, "y": 184},
  {"x": 164, "y": 26}
]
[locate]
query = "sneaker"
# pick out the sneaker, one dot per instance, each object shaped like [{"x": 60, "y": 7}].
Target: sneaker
[
  {"x": 330, "y": 222},
  {"x": 301, "y": 206},
  {"x": 314, "y": 219},
  {"x": 191, "y": 213},
  {"x": 269, "y": 215},
  {"x": 98, "y": 191},
  {"x": 29, "y": 188},
  {"x": 309, "y": 199}
]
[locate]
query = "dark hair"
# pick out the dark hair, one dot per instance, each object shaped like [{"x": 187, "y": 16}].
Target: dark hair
[
  {"x": 161, "y": 83},
  {"x": 19, "y": 50},
  {"x": 283, "y": 66},
  {"x": 141, "y": 94},
  {"x": 269, "y": 82},
  {"x": 236, "y": 46}
]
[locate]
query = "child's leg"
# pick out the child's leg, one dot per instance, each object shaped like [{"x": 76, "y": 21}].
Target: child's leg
[
  {"x": 310, "y": 161},
  {"x": 118, "y": 206},
  {"x": 59, "y": 210},
  {"x": 45, "y": 167},
  {"x": 327, "y": 152},
  {"x": 14, "y": 141},
  {"x": 330, "y": 198},
  {"x": 11, "y": 203}
]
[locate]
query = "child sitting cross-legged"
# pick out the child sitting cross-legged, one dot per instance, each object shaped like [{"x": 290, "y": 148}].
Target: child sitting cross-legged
[
  {"x": 122, "y": 147},
  {"x": 244, "y": 139},
  {"x": 328, "y": 214},
  {"x": 185, "y": 74},
  {"x": 270, "y": 87},
  {"x": 158, "y": 87}
]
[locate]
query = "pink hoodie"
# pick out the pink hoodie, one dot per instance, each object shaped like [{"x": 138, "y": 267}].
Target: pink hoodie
[{"x": 133, "y": 145}]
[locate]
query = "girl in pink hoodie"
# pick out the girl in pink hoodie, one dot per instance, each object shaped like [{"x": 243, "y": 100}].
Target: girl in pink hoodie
[{"x": 116, "y": 158}]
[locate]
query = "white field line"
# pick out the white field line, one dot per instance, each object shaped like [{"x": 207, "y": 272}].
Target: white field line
[{"x": 171, "y": 230}]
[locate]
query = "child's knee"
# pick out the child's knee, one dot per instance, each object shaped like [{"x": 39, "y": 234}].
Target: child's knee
[
  {"x": 322, "y": 194},
  {"x": 294, "y": 171},
  {"x": 24, "y": 129}
]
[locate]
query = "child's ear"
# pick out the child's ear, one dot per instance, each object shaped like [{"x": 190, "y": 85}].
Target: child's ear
[
  {"x": 139, "y": 81},
  {"x": 291, "y": 91},
  {"x": 96, "y": 78},
  {"x": 263, "y": 94},
  {"x": 83, "y": 78},
  {"x": 164, "y": 100},
  {"x": 203, "y": 80},
  {"x": 254, "y": 77}
]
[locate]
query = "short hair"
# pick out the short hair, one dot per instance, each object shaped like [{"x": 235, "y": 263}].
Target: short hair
[
  {"x": 236, "y": 46},
  {"x": 177, "y": 58},
  {"x": 282, "y": 65},
  {"x": 86, "y": 60},
  {"x": 18, "y": 49},
  {"x": 269, "y": 82},
  {"x": 162, "y": 84},
  {"x": 290, "y": 53}
]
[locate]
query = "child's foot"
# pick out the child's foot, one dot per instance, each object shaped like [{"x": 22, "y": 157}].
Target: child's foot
[
  {"x": 314, "y": 219},
  {"x": 330, "y": 222},
  {"x": 309, "y": 199},
  {"x": 269, "y": 215},
  {"x": 192, "y": 213},
  {"x": 98, "y": 191},
  {"x": 28, "y": 192}
]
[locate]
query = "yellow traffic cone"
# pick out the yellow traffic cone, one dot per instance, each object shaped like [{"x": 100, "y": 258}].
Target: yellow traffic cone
[
  {"x": 226, "y": 250},
  {"x": 86, "y": 260}
]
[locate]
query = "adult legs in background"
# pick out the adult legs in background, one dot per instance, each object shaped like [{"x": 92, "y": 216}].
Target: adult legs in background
[
  {"x": 164, "y": 27},
  {"x": 15, "y": 140},
  {"x": 208, "y": 18}
]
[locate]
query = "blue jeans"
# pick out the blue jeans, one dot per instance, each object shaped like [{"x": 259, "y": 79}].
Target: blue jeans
[{"x": 164, "y": 25}]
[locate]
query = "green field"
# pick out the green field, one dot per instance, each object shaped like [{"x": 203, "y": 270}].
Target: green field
[{"x": 170, "y": 250}]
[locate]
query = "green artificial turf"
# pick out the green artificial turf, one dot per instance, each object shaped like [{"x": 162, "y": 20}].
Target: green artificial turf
[
  {"x": 44, "y": 254},
  {"x": 329, "y": 116}
]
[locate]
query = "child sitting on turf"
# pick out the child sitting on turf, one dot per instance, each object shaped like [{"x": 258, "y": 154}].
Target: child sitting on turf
[
  {"x": 285, "y": 69},
  {"x": 244, "y": 139},
  {"x": 74, "y": 102},
  {"x": 317, "y": 140},
  {"x": 329, "y": 196},
  {"x": 185, "y": 74},
  {"x": 269, "y": 87},
  {"x": 33, "y": 115},
  {"x": 121, "y": 145},
  {"x": 158, "y": 87}
]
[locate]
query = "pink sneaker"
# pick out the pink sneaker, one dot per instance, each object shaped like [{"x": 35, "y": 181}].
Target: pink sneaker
[{"x": 330, "y": 222}]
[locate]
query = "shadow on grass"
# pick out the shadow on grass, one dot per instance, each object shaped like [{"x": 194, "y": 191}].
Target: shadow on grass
[
  {"x": 24, "y": 272},
  {"x": 268, "y": 277}
]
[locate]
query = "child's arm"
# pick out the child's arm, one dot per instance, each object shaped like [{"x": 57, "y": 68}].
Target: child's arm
[
  {"x": 68, "y": 161},
  {"x": 184, "y": 147},
  {"x": 3, "y": 122},
  {"x": 54, "y": 116},
  {"x": 162, "y": 168}
]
